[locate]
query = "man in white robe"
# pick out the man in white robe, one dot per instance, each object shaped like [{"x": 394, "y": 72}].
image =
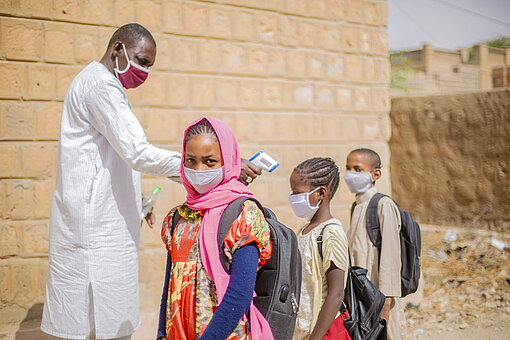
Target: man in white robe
[{"x": 92, "y": 286}]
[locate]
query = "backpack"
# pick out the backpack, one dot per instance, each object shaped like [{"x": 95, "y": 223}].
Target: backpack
[
  {"x": 363, "y": 301},
  {"x": 410, "y": 243},
  {"x": 278, "y": 283}
]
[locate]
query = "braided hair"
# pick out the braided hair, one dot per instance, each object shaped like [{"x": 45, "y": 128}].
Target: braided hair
[
  {"x": 320, "y": 171},
  {"x": 203, "y": 127}
]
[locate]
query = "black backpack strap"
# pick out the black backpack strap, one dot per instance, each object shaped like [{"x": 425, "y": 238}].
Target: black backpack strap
[
  {"x": 175, "y": 219},
  {"x": 352, "y": 209},
  {"x": 319, "y": 239},
  {"x": 229, "y": 215},
  {"x": 372, "y": 222},
  {"x": 343, "y": 307}
]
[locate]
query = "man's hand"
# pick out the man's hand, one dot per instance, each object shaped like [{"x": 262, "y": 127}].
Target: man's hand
[
  {"x": 249, "y": 171},
  {"x": 151, "y": 218}
]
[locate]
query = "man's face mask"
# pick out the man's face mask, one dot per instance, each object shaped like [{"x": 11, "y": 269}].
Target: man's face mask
[
  {"x": 133, "y": 75},
  {"x": 358, "y": 182},
  {"x": 300, "y": 204},
  {"x": 204, "y": 180}
]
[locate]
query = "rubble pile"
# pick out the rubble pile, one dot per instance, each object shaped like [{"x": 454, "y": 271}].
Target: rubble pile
[{"x": 466, "y": 282}]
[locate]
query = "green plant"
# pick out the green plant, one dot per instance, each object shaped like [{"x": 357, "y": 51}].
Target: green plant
[
  {"x": 500, "y": 42},
  {"x": 399, "y": 71}
]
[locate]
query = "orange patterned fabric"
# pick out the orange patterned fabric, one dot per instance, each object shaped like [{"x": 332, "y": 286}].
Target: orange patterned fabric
[{"x": 192, "y": 297}]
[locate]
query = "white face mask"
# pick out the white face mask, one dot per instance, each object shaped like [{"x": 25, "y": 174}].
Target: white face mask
[
  {"x": 204, "y": 180},
  {"x": 300, "y": 204},
  {"x": 358, "y": 182}
]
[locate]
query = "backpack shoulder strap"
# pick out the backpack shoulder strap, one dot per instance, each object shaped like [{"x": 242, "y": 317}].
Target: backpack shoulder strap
[
  {"x": 372, "y": 221},
  {"x": 319, "y": 239},
  {"x": 352, "y": 209},
  {"x": 229, "y": 215},
  {"x": 175, "y": 219}
]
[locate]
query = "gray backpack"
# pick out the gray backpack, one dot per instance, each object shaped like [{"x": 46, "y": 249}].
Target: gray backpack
[
  {"x": 410, "y": 243},
  {"x": 278, "y": 284}
]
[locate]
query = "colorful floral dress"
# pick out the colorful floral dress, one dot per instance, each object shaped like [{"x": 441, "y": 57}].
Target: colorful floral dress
[{"x": 192, "y": 297}]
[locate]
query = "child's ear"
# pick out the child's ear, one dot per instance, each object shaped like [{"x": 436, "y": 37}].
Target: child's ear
[
  {"x": 376, "y": 174},
  {"x": 323, "y": 192}
]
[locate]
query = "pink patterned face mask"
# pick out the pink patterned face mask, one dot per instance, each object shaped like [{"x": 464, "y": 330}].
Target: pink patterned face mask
[{"x": 133, "y": 75}]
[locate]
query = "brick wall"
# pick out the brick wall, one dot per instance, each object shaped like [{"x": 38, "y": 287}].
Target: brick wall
[{"x": 294, "y": 78}]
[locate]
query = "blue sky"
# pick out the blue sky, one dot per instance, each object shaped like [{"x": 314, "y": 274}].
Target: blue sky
[{"x": 414, "y": 22}]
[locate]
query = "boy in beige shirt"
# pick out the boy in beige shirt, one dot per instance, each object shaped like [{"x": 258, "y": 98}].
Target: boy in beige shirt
[{"x": 363, "y": 170}]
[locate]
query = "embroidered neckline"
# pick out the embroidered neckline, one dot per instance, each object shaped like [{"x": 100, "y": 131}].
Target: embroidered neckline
[{"x": 189, "y": 214}]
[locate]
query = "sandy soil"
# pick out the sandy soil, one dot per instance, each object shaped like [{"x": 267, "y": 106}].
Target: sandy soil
[{"x": 466, "y": 292}]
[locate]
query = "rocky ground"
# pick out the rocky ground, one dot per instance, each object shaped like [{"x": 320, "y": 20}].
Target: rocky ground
[{"x": 466, "y": 291}]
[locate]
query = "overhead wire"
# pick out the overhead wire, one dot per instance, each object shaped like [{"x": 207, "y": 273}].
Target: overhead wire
[
  {"x": 477, "y": 14},
  {"x": 414, "y": 21}
]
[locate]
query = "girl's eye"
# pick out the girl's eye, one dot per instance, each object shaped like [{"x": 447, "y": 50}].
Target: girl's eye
[
  {"x": 211, "y": 161},
  {"x": 189, "y": 160}
]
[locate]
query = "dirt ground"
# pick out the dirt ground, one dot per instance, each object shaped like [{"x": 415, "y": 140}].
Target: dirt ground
[{"x": 466, "y": 293}]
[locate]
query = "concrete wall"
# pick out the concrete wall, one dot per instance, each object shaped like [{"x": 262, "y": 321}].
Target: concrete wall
[
  {"x": 432, "y": 71},
  {"x": 450, "y": 159},
  {"x": 294, "y": 78},
  {"x": 441, "y": 79}
]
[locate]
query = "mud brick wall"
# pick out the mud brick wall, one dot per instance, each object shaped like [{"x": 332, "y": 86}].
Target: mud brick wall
[
  {"x": 450, "y": 159},
  {"x": 295, "y": 78}
]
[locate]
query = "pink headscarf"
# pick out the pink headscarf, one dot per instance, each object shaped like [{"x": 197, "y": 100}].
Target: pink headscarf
[{"x": 214, "y": 202}]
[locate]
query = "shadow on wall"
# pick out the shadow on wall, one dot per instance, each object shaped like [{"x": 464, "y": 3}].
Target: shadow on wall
[{"x": 29, "y": 327}]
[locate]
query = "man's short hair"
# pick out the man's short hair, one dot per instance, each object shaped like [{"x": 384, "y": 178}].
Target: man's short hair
[
  {"x": 373, "y": 157},
  {"x": 131, "y": 34}
]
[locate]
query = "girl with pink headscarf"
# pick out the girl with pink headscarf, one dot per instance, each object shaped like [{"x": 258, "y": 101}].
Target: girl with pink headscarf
[{"x": 201, "y": 300}]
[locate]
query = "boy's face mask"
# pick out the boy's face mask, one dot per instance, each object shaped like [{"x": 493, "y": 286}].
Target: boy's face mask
[
  {"x": 204, "y": 180},
  {"x": 300, "y": 204},
  {"x": 358, "y": 182},
  {"x": 133, "y": 75}
]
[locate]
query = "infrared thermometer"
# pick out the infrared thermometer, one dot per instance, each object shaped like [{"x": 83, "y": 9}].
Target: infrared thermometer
[{"x": 264, "y": 161}]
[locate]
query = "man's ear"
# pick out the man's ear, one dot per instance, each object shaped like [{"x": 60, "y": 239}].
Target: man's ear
[
  {"x": 376, "y": 174},
  {"x": 117, "y": 48}
]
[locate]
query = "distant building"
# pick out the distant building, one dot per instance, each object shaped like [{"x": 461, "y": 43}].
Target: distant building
[{"x": 434, "y": 71}]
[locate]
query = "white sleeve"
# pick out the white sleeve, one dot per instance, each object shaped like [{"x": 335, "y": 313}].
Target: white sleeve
[{"x": 110, "y": 114}]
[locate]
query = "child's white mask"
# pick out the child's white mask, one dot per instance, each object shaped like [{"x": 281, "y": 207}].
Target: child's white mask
[
  {"x": 204, "y": 180},
  {"x": 358, "y": 182},
  {"x": 300, "y": 204}
]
